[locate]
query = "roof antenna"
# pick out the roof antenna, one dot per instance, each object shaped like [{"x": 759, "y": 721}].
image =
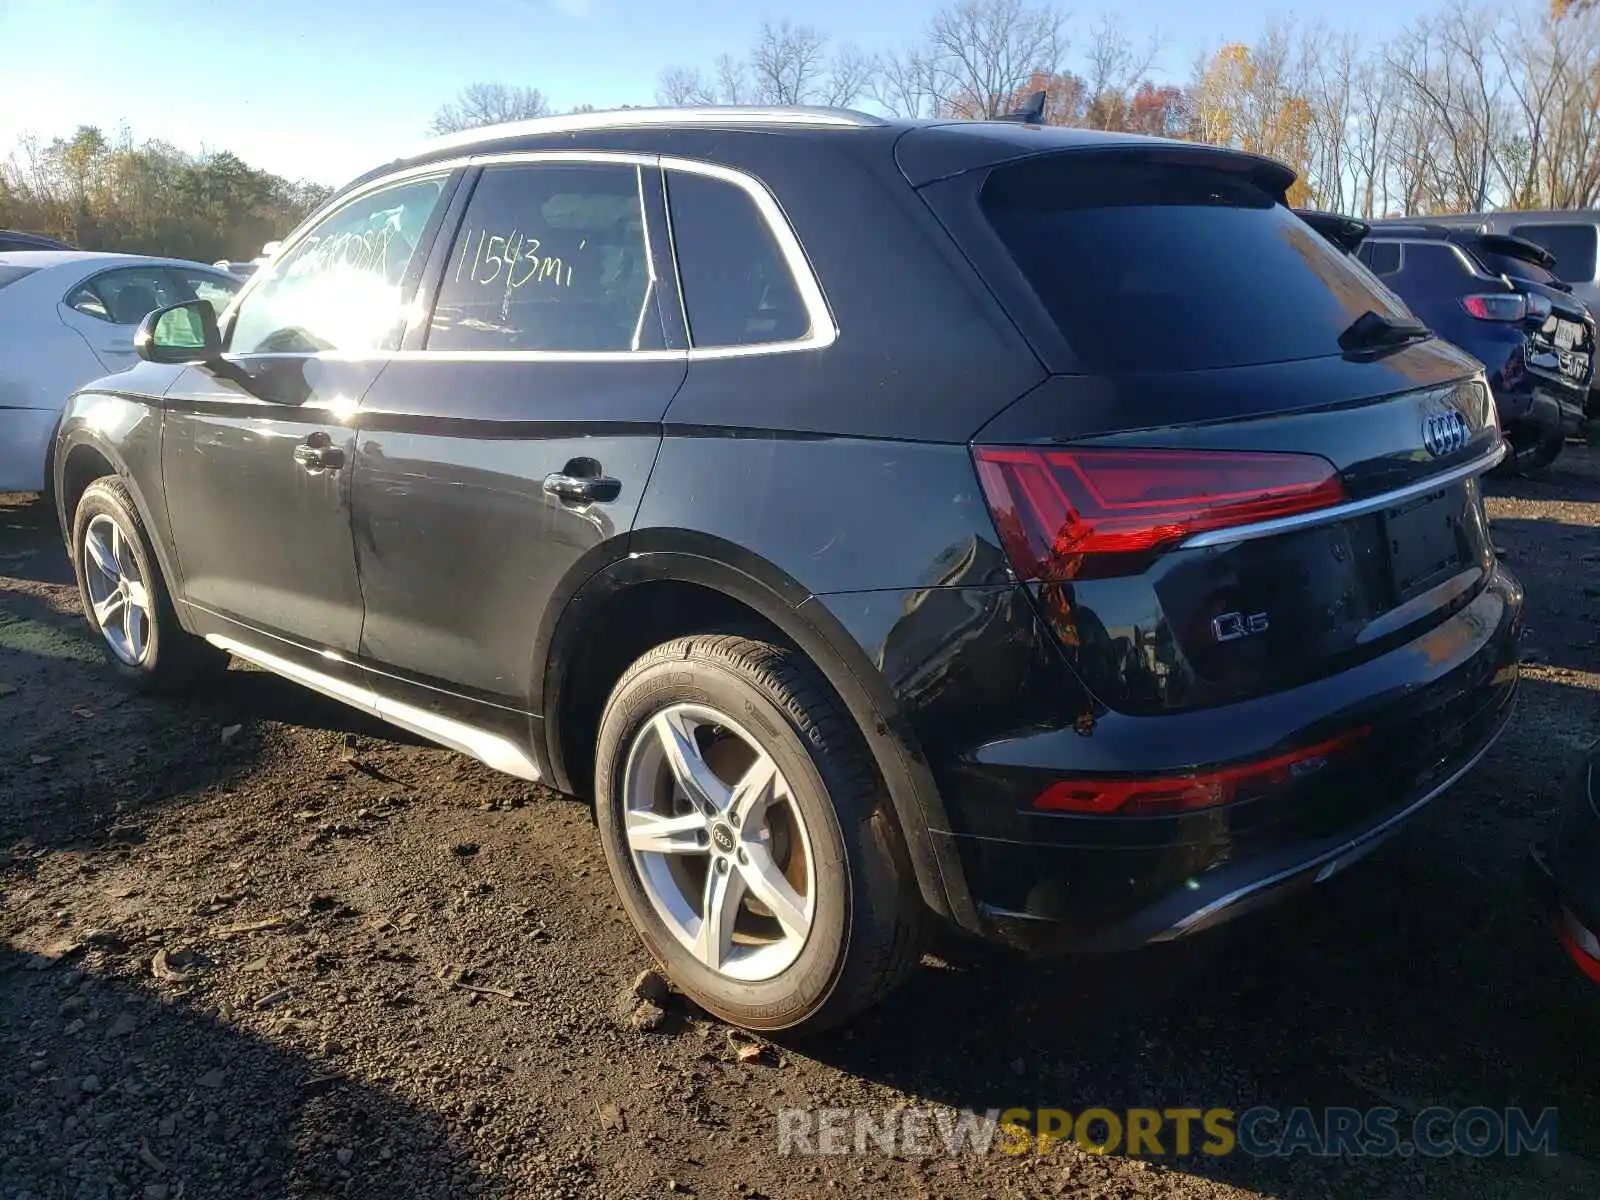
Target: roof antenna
[{"x": 1031, "y": 112}]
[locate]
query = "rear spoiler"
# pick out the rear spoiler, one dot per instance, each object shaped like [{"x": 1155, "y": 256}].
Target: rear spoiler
[
  {"x": 941, "y": 150},
  {"x": 1519, "y": 248},
  {"x": 1344, "y": 232}
]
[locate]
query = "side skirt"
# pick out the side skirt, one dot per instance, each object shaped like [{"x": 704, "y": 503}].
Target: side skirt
[{"x": 488, "y": 748}]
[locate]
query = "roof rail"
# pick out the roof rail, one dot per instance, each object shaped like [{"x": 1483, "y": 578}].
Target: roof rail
[{"x": 796, "y": 116}]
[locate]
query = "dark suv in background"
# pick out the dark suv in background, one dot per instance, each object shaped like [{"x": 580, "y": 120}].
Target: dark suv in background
[
  {"x": 1041, "y": 530},
  {"x": 1499, "y": 298},
  {"x": 12, "y": 239},
  {"x": 1572, "y": 236}
]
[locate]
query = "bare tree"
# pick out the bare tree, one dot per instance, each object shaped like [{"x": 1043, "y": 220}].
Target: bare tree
[
  {"x": 788, "y": 63},
  {"x": 981, "y": 51},
  {"x": 850, "y": 75},
  {"x": 1113, "y": 67},
  {"x": 678, "y": 86},
  {"x": 1446, "y": 66},
  {"x": 733, "y": 81},
  {"x": 1371, "y": 126},
  {"x": 905, "y": 83},
  {"x": 489, "y": 104},
  {"x": 1330, "y": 63}
]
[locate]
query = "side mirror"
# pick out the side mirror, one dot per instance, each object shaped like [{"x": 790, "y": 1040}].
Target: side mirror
[{"x": 179, "y": 333}]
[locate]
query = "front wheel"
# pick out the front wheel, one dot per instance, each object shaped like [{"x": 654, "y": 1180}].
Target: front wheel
[
  {"x": 750, "y": 838},
  {"x": 124, "y": 597}
]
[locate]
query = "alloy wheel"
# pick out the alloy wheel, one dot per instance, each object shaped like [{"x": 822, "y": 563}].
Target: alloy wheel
[
  {"x": 117, "y": 590},
  {"x": 719, "y": 843}
]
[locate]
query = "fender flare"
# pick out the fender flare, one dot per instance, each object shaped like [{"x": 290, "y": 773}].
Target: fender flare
[
  {"x": 736, "y": 573},
  {"x": 72, "y": 435}
]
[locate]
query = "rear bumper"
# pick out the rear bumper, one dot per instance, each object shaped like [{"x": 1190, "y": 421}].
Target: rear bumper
[
  {"x": 1062, "y": 883},
  {"x": 1542, "y": 415}
]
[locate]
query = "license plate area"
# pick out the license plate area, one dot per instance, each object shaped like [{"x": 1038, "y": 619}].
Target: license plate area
[{"x": 1426, "y": 540}]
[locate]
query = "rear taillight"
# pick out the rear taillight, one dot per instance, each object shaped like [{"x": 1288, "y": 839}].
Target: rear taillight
[
  {"x": 1051, "y": 507},
  {"x": 1171, "y": 794},
  {"x": 1497, "y": 306}
]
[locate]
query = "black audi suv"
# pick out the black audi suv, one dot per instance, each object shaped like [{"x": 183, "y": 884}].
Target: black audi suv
[{"x": 883, "y": 523}]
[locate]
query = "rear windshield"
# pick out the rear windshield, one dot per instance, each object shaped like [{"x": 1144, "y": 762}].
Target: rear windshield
[
  {"x": 12, "y": 274},
  {"x": 1160, "y": 267},
  {"x": 1515, "y": 268}
]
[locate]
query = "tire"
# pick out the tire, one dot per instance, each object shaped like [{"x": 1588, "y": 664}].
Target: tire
[
  {"x": 1524, "y": 460},
  {"x": 737, "y": 699},
  {"x": 1545, "y": 453},
  {"x": 141, "y": 635}
]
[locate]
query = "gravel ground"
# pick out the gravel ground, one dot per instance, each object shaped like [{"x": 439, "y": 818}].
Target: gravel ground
[{"x": 252, "y": 944}]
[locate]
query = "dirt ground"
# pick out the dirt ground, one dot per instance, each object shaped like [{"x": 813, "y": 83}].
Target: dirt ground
[{"x": 240, "y": 935}]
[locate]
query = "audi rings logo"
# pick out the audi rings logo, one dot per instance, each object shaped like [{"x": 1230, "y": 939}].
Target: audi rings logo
[{"x": 1444, "y": 431}]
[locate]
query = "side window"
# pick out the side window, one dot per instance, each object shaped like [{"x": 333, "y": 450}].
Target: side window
[
  {"x": 87, "y": 301},
  {"x": 339, "y": 286},
  {"x": 1434, "y": 261},
  {"x": 203, "y": 285},
  {"x": 550, "y": 256},
  {"x": 737, "y": 288},
  {"x": 125, "y": 297},
  {"x": 1382, "y": 258},
  {"x": 1573, "y": 246}
]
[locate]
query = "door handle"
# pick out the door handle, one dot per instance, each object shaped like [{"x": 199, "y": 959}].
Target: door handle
[
  {"x": 316, "y": 454},
  {"x": 582, "y": 489}
]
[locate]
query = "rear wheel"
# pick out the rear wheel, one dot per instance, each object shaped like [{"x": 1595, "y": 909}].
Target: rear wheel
[
  {"x": 1545, "y": 453},
  {"x": 750, "y": 838},
  {"x": 124, "y": 597}
]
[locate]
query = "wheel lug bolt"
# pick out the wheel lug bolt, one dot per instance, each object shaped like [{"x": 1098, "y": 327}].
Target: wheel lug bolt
[
  {"x": 722, "y": 865},
  {"x": 743, "y": 857}
]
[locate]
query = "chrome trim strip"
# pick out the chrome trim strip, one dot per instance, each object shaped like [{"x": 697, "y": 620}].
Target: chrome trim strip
[
  {"x": 649, "y": 263},
  {"x": 488, "y": 748},
  {"x": 1202, "y": 915},
  {"x": 1352, "y": 508}
]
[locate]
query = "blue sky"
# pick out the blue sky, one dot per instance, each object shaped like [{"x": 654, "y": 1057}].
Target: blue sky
[{"x": 324, "y": 88}]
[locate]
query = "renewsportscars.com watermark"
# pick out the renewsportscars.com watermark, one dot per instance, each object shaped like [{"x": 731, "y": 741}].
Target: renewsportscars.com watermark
[{"x": 1261, "y": 1132}]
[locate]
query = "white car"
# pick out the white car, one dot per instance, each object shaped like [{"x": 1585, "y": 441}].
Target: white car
[
  {"x": 67, "y": 317},
  {"x": 246, "y": 269}
]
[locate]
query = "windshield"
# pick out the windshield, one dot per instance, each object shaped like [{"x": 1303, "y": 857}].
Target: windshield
[{"x": 1159, "y": 266}]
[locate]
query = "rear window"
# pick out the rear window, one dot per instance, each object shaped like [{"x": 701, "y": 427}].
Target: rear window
[
  {"x": 737, "y": 289},
  {"x": 1149, "y": 266},
  {"x": 1514, "y": 268},
  {"x": 1573, "y": 246},
  {"x": 12, "y": 274}
]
